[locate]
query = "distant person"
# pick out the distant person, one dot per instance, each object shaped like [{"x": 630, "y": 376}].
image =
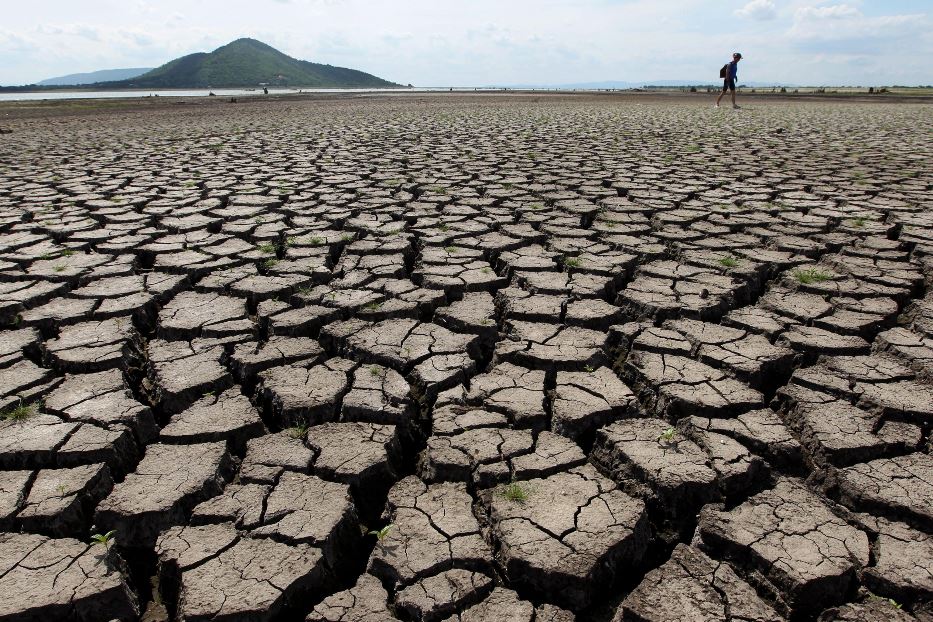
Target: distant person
[{"x": 729, "y": 73}]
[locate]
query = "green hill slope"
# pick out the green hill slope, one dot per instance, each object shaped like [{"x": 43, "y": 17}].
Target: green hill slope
[{"x": 248, "y": 63}]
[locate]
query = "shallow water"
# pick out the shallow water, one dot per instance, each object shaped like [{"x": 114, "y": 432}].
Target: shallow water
[{"x": 53, "y": 95}]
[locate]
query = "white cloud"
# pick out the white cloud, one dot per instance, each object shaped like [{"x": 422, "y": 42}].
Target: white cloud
[
  {"x": 843, "y": 22},
  {"x": 837, "y": 11},
  {"x": 761, "y": 10}
]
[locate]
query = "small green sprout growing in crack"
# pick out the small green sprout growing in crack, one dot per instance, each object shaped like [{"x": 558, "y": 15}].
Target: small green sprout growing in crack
[
  {"x": 375, "y": 370},
  {"x": 298, "y": 432},
  {"x": 515, "y": 492},
  {"x": 381, "y": 534},
  {"x": 486, "y": 270},
  {"x": 267, "y": 248},
  {"x": 891, "y": 601},
  {"x": 810, "y": 275},
  {"x": 450, "y": 249},
  {"x": 859, "y": 221},
  {"x": 728, "y": 261},
  {"x": 59, "y": 268},
  {"x": 62, "y": 490},
  {"x": 68, "y": 252},
  {"x": 269, "y": 263},
  {"x": 573, "y": 262},
  {"x": 105, "y": 538},
  {"x": 667, "y": 435}
]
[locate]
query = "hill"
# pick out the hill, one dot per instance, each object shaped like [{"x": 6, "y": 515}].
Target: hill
[
  {"x": 247, "y": 63},
  {"x": 104, "y": 75}
]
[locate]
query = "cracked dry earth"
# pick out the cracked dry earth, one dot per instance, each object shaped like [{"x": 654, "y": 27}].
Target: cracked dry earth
[{"x": 467, "y": 359}]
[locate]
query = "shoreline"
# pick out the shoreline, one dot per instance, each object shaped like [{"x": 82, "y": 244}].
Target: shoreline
[{"x": 12, "y": 110}]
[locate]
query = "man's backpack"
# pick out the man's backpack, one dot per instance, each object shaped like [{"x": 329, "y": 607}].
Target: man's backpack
[{"x": 724, "y": 71}]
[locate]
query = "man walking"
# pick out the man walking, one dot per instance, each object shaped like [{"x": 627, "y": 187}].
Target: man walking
[{"x": 729, "y": 83}]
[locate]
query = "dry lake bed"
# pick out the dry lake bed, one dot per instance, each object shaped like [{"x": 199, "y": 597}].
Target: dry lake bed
[{"x": 472, "y": 358}]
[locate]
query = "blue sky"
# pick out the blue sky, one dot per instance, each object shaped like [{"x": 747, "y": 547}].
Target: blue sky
[{"x": 482, "y": 42}]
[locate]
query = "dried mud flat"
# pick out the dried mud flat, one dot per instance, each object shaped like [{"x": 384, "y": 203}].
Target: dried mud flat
[{"x": 467, "y": 358}]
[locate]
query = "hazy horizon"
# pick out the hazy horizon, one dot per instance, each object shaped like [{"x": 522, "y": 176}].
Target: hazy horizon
[{"x": 483, "y": 43}]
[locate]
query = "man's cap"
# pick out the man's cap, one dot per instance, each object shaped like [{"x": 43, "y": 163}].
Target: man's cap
[{"x": 737, "y": 54}]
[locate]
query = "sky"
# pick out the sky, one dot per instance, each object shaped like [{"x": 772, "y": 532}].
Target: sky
[{"x": 491, "y": 42}]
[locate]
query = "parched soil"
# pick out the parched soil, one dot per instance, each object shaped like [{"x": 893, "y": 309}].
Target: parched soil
[{"x": 466, "y": 358}]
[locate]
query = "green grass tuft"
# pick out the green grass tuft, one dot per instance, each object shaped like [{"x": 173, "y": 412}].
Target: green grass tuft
[
  {"x": 298, "y": 432},
  {"x": 810, "y": 275},
  {"x": 514, "y": 492},
  {"x": 20, "y": 412}
]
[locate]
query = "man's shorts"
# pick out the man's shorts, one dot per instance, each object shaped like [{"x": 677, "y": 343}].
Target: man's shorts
[{"x": 728, "y": 85}]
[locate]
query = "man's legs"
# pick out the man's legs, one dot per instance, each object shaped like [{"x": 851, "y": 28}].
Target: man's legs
[
  {"x": 733, "y": 98},
  {"x": 721, "y": 93}
]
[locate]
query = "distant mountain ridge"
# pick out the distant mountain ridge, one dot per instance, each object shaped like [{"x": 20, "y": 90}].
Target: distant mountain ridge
[
  {"x": 104, "y": 75},
  {"x": 248, "y": 63}
]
